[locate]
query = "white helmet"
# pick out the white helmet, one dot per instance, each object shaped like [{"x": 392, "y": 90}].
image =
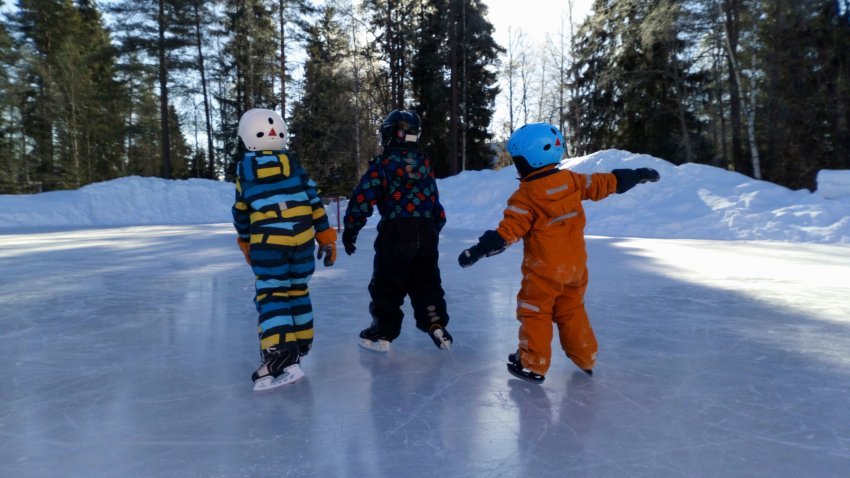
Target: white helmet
[{"x": 262, "y": 130}]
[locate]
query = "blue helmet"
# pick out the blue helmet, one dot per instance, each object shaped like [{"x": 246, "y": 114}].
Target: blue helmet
[{"x": 539, "y": 144}]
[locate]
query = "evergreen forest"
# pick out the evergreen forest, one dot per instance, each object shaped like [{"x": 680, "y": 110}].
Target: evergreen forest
[{"x": 96, "y": 90}]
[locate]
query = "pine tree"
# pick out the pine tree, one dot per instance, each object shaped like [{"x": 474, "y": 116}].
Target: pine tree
[
  {"x": 802, "y": 122},
  {"x": 634, "y": 81},
  {"x": 292, "y": 25},
  {"x": 394, "y": 24},
  {"x": 71, "y": 99},
  {"x": 104, "y": 103},
  {"x": 158, "y": 32},
  {"x": 322, "y": 134},
  {"x": 10, "y": 172},
  {"x": 457, "y": 113},
  {"x": 250, "y": 60},
  {"x": 144, "y": 149}
]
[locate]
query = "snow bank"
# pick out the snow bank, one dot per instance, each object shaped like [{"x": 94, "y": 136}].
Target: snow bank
[
  {"x": 122, "y": 202},
  {"x": 833, "y": 184},
  {"x": 692, "y": 201}
]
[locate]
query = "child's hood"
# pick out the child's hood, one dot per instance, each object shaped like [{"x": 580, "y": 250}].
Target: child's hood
[{"x": 266, "y": 166}]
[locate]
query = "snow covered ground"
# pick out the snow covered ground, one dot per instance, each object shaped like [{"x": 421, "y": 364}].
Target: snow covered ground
[{"x": 126, "y": 348}]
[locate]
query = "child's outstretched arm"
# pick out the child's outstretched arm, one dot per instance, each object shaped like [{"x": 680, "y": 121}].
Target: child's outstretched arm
[
  {"x": 628, "y": 178},
  {"x": 515, "y": 224},
  {"x": 489, "y": 244}
]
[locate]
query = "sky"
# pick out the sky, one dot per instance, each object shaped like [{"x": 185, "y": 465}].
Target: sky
[
  {"x": 128, "y": 338},
  {"x": 535, "y": 17},
  {"x": 537, "y": 20}
]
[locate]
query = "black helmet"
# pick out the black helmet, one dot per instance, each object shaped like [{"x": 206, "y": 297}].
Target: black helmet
[{"x": 400, "y": 127}]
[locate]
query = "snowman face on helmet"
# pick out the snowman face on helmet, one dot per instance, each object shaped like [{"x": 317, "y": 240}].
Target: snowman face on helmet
[{"x": 262, "y": 130}]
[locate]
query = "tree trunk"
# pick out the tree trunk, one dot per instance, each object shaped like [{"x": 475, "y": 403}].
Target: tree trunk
[
  {"x": 282, "y": 9},
  {"x": 680, "y": 101},
  {"x": 163, "y": 95},
  {"x": 210, "y": 173},
  {"x": 464, "y": 80},
  {"x": 732, "y": 8},
  {"x": 750, "y": 112},
  {"x": 454, "y": 122}
]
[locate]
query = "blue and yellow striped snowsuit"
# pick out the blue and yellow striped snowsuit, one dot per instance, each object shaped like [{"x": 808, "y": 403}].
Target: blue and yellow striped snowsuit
[{"x": 279, "y": 210}]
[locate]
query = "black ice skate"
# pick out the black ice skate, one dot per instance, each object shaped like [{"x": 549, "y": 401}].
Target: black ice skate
[
  {"x": 517, "y": 370},
  {"x": 372, "y": 339},
  {"x": 441, "y": 337},
  {"x": 281, "y": 367}
]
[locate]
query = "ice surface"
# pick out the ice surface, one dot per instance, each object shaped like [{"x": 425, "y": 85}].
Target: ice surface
[{"x": 127, "y": 352}]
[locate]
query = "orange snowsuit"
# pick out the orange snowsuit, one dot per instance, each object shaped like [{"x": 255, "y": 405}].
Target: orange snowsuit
[{"x": 546, "y": 213}]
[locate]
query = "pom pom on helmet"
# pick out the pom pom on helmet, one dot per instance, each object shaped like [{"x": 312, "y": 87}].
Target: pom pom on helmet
[{"x": 263, "y": 130}]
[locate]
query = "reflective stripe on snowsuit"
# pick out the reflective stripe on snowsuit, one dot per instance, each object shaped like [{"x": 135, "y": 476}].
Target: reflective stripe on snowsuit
[
  {"x": 278, "y": 210},
  {"x": 546, "y": 212}
]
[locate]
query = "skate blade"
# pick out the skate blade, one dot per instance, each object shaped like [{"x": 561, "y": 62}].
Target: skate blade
[
  {"x": 290, "y": 375},
  {"x": 520, "y": 375},
  {"x": 382, "y": 346},
  {"x": 445, "y": 344}
]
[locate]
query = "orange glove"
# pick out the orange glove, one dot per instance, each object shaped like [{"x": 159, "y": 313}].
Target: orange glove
[
  {"x": 327, "y": 246},
  {"x": 245, "y": 247}
]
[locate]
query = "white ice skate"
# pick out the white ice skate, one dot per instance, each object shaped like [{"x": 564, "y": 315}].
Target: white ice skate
[
  {"x": 290, "y": 375},
  {"x": 379, "y": 345}
]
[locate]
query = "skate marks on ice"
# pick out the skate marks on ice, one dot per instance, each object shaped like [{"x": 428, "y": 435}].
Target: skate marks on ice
[{"x": 128, "y": 352}]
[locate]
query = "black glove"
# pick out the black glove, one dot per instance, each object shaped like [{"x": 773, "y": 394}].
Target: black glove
[
  {"x": 628, "y": 178},
  {"x": 489, "y": 244},
  {"x": 348, "y": 239}
]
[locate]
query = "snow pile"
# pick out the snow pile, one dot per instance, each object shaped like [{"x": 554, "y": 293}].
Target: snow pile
[
  {"x": 833, "y": 184},
  {"x": 692, "y": 201},
  {"x": 122, "y": 202},
  {"x": 696, "y": 201}
]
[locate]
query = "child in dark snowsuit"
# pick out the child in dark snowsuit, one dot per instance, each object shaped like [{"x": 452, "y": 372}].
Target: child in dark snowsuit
[
  {"x": 546, "y": 213},
  {"x": 400, "y": 182},
  {"x": 277, "y": 214}
]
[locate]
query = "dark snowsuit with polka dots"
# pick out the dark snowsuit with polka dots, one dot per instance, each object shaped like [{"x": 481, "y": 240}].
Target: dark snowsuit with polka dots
[{"x": 401, "y": 184}]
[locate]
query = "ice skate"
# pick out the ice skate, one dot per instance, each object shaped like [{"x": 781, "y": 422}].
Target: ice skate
[
  {"x": 282, "y": 367},
  {"x": 517, "y": 370},
  {"x": 373, "y": 340},
  {"x": 441, "y": 337}
]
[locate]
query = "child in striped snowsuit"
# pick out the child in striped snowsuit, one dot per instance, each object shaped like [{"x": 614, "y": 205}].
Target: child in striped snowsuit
[{"x": 277, "y": 215}]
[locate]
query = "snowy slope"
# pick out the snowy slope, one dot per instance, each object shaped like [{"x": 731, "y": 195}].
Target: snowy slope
[{"x": 691, "y": 201}]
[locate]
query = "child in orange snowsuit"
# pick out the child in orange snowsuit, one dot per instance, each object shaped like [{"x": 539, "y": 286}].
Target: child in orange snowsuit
[{"x": 546, "y": 212}]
